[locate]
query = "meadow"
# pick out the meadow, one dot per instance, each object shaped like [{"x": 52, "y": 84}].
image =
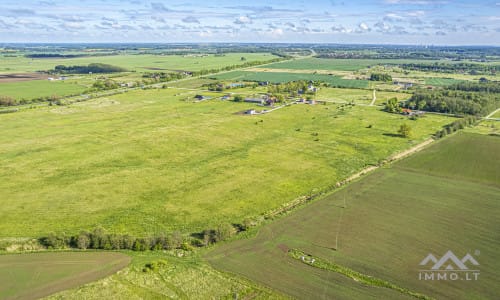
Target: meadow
[
  {"x": 179, "y": 275},
  {"x": 35, "y": 275},
  {"x": 277, "y": 77},
  {"x": 441, "y": 81},
  {"x": 149, "y": 161},
  {"x": 443, "y": 198},
  {"x": 138, "y": 63},
  {"x": 40, "y": 88},
  {"x": 336, "y": 64}
]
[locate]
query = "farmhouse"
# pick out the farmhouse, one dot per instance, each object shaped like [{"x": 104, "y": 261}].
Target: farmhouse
[
  {"x": 201, "y": 97},
  {"x": 409, "y": 112},
  {"x": 254, "y": 100}
]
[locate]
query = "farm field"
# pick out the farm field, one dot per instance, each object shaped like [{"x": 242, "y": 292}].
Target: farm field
[
  {"x": 39, "y": 88},
  {"x": 139, "y": 63},
  {"x": 337, "y": 64},
  {"x": 186, "y": 277},
  {"x": 131, "y": 178},
  {"x": 32, "y": 276},
  {"x": 443, "y": 198},
  {"x": 276, "y": 77},
  {"x": 441, "y": 81}
]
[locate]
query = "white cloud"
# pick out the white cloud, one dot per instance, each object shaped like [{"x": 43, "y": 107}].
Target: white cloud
[{"x": 243, "y": 20}]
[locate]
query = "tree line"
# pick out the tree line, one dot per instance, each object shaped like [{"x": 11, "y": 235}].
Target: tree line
[
  {"x": 455, "y": 126},
  {"x": 102, "y": 240},
  {"x": 91, "y": 68},
  {"x": 463, "y": 67},
  {"x": 454, "y": 101}
]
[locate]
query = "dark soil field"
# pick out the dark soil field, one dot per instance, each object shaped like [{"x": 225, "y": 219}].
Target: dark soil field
[
  {"x": 22, "y": 77},
  {"x": 443, "y": 198},
  {"x": 32, "y": 276}
]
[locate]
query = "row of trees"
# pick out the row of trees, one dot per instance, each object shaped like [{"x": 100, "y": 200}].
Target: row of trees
[
  {"x": 91, "y": 68},
  {"x": 455, "y": 126},
  {"x": 469, "y": 86},
  {"x": 469, "y": 68},
  {"x": 100, "y": 239}
]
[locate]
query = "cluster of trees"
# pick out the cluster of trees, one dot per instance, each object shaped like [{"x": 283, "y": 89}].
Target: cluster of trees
[
  {"x": 7, "y": 101},
  {"x": 91, "y": 68},
  {"x": 469, "y": 68},
  {"x": 380, "y": 77},
  {"x": 393, "y": 106},
  {"x": 101, "y": 85},
  {"x": 469, "y": 86},
  {"x": 455, "y": 126},
  {"x": 100, "y": 239},
  {"x": 292, "y": 88},
  {"x": 454, "y": 101},
  {"x": 163, "y": 76}
]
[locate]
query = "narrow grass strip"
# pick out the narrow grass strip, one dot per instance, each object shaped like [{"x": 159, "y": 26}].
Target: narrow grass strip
[{"x": 356, "y": 276}]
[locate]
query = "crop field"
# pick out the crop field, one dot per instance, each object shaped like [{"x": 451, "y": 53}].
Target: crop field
[
  {"x": 39, "y": 88},
  {"x": 276, "y": 77},
  {"x": 335, "y": 64},
  {"x": 186, "y": 277},
  {"x": 112, "y": 161},
  {"x": 140, "y": 63},
  {"x": 441, "y": 81},
  {"x": 443, "y": 198},
  {"x": 32, "y": 276}
]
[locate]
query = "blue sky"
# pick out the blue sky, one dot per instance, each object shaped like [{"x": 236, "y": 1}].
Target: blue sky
[{"x": 313, "y": 21}]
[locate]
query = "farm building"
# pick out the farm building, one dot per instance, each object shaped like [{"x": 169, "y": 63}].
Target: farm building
[
  {"x": 255, "y": 100},
  {"x": 201, "y": 97}
]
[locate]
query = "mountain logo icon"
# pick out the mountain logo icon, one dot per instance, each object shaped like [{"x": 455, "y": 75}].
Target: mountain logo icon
[{"x": 449, "y": 261}]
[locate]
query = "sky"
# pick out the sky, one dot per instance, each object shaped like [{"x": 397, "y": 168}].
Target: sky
[{"x": 412, "y": 22}]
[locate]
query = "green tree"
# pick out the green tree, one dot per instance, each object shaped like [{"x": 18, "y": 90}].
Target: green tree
[
  {"x": 83, "y": 240},
  {"x": 405, "y": 130}
]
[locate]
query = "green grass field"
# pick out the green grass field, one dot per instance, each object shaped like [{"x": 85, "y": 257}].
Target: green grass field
[
  {"x": 32, "y": 276},
  {"x": 39, "y": 88},
  {"x": 277, "y": 77},
  {"x": 140, "y": 63},
  {"x": 187, "y": 277},
  {"x": 443, "y": 198},
  {"x": 145, "y": 161},
  {"x": 441, "y": 81},
  {"x": 336, "y": 64}
]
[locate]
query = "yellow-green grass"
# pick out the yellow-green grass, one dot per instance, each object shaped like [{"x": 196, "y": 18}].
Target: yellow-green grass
[
  {"x": 146, "y": 161},
  {"x": 35, "y": 275},
  {"x": 486, "y": 127},
  {"x": 187, "y": 277},
  {"x": 357, "y": 95},
  {"x": 441, "y": 81},
  {"x": 443, "y": 198},
  {"x": 141, "y": 63},
  {"x": 39, "y": 88},
  {"x": 338, "y": 64}
]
